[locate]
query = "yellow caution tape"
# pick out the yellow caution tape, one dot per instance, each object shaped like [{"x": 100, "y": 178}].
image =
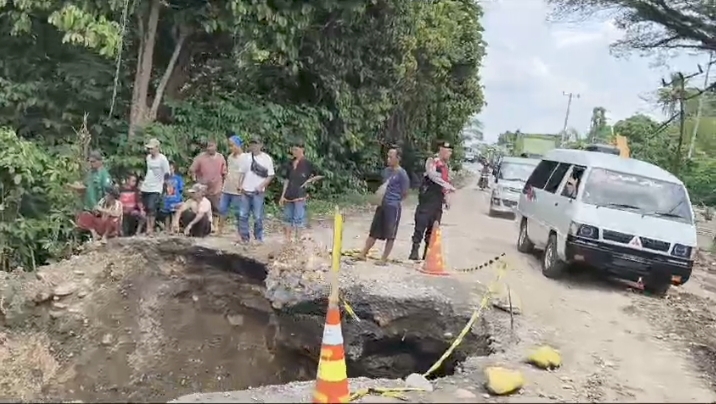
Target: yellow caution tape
[
  {"x": 350, "y": 310},
  {"x": 385, "y": 392},
  {"x": 475, "y": 315},
  {"x": 356, "y": 252}
]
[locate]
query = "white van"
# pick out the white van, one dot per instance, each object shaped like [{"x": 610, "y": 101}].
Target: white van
[
  {"x": 625, "y": 216},
  {"x": 510, "y": 177}
]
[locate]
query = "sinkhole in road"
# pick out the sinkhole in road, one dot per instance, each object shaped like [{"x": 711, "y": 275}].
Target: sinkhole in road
[{"x": 198, "y": 321}]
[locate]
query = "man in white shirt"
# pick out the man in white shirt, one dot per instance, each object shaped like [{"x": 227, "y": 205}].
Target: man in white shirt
[
  {"x": 195, "y": 214},
  {"x": 157, "y": 171},
  {"x": 255, "y": 174}
]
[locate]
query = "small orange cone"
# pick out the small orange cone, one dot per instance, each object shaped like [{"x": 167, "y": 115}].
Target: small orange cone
[
  {"x": 434, "y": 264},
  {"x": 332, "y": 377}
]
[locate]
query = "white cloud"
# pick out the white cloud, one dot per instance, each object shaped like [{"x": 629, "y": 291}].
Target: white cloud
[
  {"x": 539, "y": 68},
  {"x": 591, "y": 34},
  {"x": 530, "y": 64}
]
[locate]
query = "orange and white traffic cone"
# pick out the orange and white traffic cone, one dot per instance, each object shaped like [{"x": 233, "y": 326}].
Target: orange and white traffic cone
[
  {"x": 332, "y": 377},
  {"x": 434, "y": 263}
]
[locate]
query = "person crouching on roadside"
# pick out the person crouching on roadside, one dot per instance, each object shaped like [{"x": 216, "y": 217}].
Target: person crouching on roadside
[
  {"x": 133, "y": 210},
  {"x": 105, "y": 219},
  {"x": 194, "y": 217}
]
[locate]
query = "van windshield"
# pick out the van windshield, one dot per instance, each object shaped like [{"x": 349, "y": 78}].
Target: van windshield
[
  {"x": 638, "y": 194},
  {"x": 515, "y": 171}
]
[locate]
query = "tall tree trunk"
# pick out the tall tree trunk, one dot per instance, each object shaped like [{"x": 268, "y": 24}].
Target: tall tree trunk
[
  {"x": 181, "y": 38},
  {"x": 138, "y": 116}
]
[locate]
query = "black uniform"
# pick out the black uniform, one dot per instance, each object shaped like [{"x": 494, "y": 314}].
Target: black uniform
[{"x": 429, "y": 210}]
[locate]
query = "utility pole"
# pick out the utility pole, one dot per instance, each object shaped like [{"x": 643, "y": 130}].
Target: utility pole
[
  {"x": 692, "y": 142},
  {"x": 682, "y": 120},
  {"x": 569, "y": 96}
]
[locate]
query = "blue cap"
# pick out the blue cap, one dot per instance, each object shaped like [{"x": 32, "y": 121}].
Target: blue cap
[{"x": 236, "y": 140}]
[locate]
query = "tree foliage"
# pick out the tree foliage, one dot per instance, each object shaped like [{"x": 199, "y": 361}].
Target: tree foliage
[
  {"x": 349, "y": 77},
  {"x": 651, "y": 24}
]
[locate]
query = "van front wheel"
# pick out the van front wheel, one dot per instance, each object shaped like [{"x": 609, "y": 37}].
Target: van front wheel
[
  {"x": 524, "y": 244},
  {"x": 552, "y": 266}
]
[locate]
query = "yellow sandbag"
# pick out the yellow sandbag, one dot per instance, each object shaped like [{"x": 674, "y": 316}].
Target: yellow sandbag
[
  {"x": 501, "y": 381},
  {"x": 545, "y": 357}
]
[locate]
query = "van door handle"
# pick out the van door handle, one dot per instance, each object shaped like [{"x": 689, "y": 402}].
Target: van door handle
[{"x": 556, "y": 203}]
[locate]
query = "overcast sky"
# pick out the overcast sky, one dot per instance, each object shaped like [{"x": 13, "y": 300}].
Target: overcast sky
[{"x": 530, "y": 63}]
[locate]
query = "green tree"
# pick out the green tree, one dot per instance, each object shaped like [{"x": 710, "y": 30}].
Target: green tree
[
  {"x": 599, "y": 131},
  {"x": 350, "y": 77},
  {"x": 650, "y": 25}
]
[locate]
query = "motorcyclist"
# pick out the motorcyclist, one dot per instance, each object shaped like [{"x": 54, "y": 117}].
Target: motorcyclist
[{"x": 484, "y": 175}]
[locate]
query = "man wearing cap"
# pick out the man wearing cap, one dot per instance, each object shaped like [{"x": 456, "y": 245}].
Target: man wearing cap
[
  {"x": 157, "y": 171},
  {"x": 230, "y": 194},
  {"x": 95, "y": 183},
  {"x": 209, "y": 168},
  {"x": 298, "y": 175},
  {"x": 195, "y": 214},
  {"x": 256, "y": 171},
  {"x": 431, "y": 197}
]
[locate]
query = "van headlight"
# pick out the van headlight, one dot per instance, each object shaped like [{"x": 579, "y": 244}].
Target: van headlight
[
  {"x": 584, "y": 230},
  {"x": 682, "y": 251}
]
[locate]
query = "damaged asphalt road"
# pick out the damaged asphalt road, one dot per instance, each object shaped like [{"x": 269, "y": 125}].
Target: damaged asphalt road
[{"x": 610, "y": 353}]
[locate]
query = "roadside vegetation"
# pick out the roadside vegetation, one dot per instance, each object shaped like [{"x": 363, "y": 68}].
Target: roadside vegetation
[{"x": 348, "y": 77}]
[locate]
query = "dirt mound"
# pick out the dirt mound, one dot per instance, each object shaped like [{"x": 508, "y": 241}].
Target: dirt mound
[
  {"x": 126, "y": 324},
  {"x": 688, "y": 316}
]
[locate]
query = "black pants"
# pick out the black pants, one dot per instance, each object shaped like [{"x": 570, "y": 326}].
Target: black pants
[
  {"x": 130, "y": 224},
  {"x": 426, "y": 214},
  {"x": 202, "y": 228},
  {"x": 385, "y": 222}
]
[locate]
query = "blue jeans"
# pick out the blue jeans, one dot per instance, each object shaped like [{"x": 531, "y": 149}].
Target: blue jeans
[
  {"x": 251, "y": 203},
  {"x": 294, "y": 214},
  {"x": 229, "y": 202}
]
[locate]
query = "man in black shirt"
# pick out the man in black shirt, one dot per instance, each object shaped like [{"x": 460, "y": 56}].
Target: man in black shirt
[{"x": 298, "y": 174}]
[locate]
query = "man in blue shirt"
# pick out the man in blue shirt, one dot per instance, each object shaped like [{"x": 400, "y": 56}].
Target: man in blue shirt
[{"x": 396, "y": 185}]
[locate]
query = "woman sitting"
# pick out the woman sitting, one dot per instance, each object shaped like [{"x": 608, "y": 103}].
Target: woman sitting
[
  {"x": 133, "y": 217},
  {"x": 194, "y": 216},
  {"x": 105, "y": 219}
]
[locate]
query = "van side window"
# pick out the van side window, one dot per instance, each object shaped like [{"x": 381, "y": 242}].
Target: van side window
[
  {"x": 571, "y": 187},
  {"x": 557, "y": 177},
  {"x": 541, "y": 174}
]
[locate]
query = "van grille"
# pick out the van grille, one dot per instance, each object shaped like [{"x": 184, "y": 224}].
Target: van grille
[
  {"x": 652, "y": 244},
  {"x": 617, "y": 236},
  {"x": 624, "y": 238}
]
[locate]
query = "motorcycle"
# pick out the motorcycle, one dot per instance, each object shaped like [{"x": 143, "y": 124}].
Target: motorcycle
[{"x": 482, "y": 183}]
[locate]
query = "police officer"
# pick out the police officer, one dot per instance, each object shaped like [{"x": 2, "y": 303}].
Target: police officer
[{"x": 431, "y": 198}]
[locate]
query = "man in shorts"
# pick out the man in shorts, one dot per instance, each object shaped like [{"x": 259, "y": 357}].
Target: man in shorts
[
  {"x": 209, "y": 168},
  {"x": 157, "y": 171},
  {"x": 387, "y": 215}
]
